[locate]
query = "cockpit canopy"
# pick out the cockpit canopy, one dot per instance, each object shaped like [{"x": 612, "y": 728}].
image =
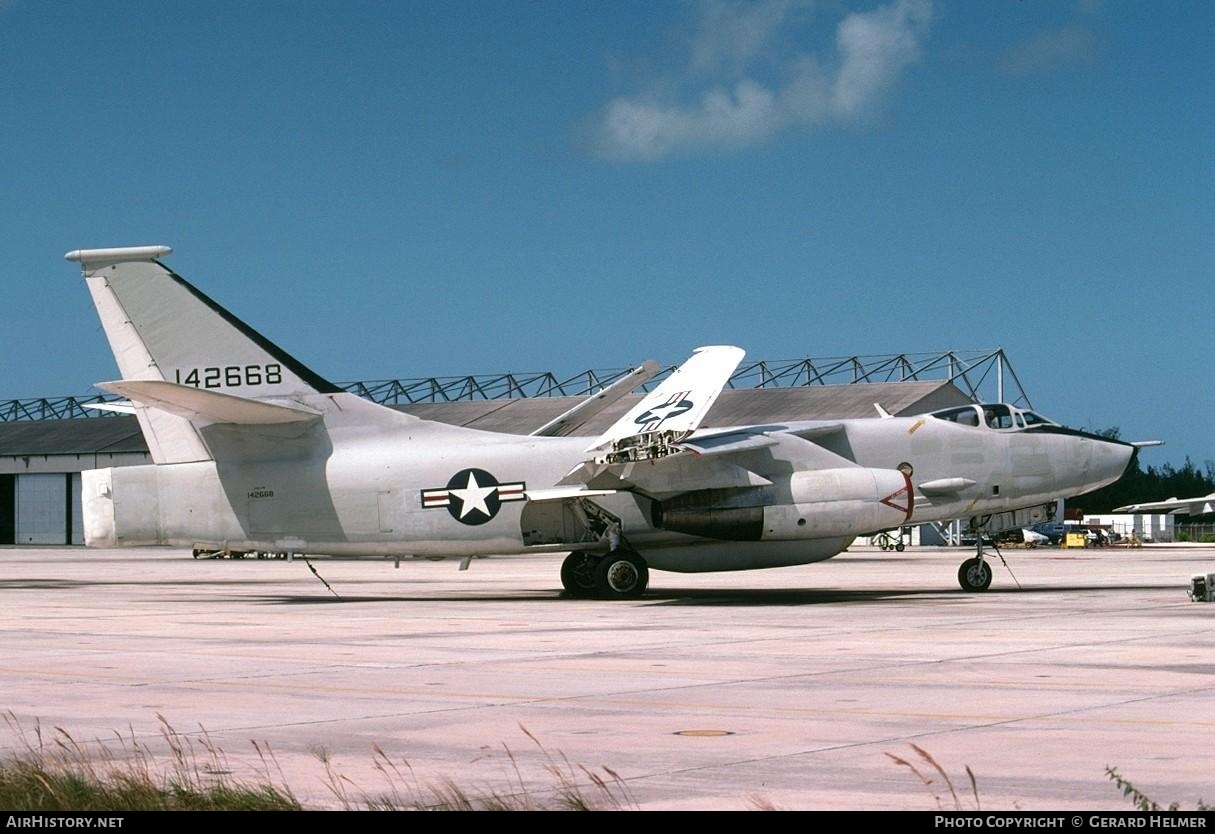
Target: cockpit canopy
[{"x": 993, "y": 416}]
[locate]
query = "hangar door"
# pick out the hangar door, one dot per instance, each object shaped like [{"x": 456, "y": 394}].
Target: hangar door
[{"x": 46, "y": 508}]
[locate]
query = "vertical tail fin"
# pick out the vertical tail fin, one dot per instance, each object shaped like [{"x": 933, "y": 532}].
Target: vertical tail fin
[{"x": 160, "y": 327}]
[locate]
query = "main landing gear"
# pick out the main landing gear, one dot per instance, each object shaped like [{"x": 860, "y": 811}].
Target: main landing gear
[{"x": 621, "y": 574}]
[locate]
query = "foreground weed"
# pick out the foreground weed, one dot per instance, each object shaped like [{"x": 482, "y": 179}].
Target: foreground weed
[
  {"x": 929, "y": 781},
  {"x": 571, "y": 787},
  {"x": 54, "y": 771}
]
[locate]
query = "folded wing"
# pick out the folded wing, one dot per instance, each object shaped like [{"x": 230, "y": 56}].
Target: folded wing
[{"x": 676, "y": 407}]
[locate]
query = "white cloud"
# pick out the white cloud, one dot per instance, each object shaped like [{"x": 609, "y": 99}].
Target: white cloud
[
  {"x": 1050, "y": 51},
  {"x": 731, "y": 33},
  {"x": 719, "y": 103},
  {"x": 645, "y": 131},
  {"x": 876, "y": 48}
]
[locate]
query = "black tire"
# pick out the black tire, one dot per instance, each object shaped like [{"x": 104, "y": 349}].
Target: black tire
[
  {"x": 578, "y": 574},
  {"x": 974, "y": 575},
  {"x": 621, "y": 574},
  {"x": 899, "y": 547}
]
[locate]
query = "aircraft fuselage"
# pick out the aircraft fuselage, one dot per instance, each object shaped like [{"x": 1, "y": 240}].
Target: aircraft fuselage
[{"x": 424, "y": 489}]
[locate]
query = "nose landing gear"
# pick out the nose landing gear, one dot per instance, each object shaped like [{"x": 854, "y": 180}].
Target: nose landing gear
[{"x": 975, "y": 574}]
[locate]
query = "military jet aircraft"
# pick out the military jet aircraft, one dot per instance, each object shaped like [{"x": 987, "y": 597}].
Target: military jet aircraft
[
  {"x": 1201, "y": 505},
  {"x": 254, "y": 451}
]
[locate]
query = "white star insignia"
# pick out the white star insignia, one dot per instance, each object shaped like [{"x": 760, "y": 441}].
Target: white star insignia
[
  {"x": 662, "y": 412},
  {"x": 473, "y": 495}
]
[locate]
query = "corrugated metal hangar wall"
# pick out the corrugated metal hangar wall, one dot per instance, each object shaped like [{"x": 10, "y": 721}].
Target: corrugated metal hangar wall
[
  {"x": 42, "y": 508},
  {"x": 40, "y": 466}
]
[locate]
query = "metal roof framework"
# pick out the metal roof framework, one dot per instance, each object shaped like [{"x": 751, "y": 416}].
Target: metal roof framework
[{"x": 983, "y": 375}]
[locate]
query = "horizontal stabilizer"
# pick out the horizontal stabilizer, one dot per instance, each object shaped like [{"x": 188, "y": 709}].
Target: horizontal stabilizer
[
  {"x": 682, "y": 400},
  {"x": 201, "y": 406},
  {"x": 117, "y": 408}
]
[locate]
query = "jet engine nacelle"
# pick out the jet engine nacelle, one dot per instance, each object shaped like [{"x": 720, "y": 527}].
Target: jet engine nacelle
[{"x": 825, "y": 503}]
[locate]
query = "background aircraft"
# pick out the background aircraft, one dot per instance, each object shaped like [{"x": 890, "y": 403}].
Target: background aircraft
[
  {"x": 254, "y": 451},
  {"x": 1202, "y": 505}
]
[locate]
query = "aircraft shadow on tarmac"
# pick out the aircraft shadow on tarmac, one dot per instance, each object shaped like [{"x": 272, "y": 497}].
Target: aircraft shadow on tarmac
[
  {"x": 750, "y": 597},
  {"x": 48, "y": 584},
  {"x": 820, "y": 596}
]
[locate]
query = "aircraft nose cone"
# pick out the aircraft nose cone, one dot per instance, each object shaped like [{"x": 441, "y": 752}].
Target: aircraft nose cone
[
  {"x": 1110, "y": 460},
  {"x": 1089, "y": 461}
]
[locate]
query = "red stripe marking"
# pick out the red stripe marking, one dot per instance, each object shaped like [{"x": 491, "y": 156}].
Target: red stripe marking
[{"x": 889, "y": 500}]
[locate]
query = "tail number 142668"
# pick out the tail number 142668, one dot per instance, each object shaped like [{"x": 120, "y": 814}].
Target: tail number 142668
[{"x": 231, "y": 376}]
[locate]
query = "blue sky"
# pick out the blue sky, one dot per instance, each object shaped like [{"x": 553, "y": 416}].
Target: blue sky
[{"x": 394, "y": 189}]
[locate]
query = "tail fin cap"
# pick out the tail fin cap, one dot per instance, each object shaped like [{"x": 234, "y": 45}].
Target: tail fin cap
[{"x": 93, "y": 258}]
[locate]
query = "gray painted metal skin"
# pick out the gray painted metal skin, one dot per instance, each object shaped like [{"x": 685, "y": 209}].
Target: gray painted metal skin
[{"x": 253, "y": 451}]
